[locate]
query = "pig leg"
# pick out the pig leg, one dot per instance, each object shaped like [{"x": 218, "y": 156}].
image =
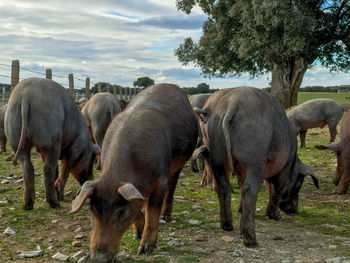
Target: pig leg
[
  {"x": 194, "y": 166},
  {"x": 343, "y": 185},
  {"x": 250, "y": 189},
  {"x": 28, "y": 178},
  {"x": 169, "y": 196},
  {"x": 50, "y": 172},
  {"x": 333, "y": 132},
  {"x": 138, "y": 225},
  {"x": 272, "y": 208},
  {"x": 3, "y": 145},
  {"x": 224, "y": 195},
  {"x": 60, "y": 182},
  {"x": 152, "y": 214},
  {"x": 302, "y": 138},
  {"x": 98, "y": 135}
]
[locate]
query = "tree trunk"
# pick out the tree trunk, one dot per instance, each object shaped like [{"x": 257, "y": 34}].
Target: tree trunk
[{"x": 286, "y": 81}]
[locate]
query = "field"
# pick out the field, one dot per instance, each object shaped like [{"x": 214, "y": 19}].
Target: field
[{"x": 319, "y": 232}]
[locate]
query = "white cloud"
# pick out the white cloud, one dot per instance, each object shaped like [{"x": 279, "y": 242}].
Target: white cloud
[{"x": 114, "y": 41}]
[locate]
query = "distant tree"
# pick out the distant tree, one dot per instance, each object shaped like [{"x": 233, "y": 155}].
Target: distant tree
[
  {"x": 143, "y": 82},
  {"x": 283, "y": 37},
  {"x": 203, "y": 88}
]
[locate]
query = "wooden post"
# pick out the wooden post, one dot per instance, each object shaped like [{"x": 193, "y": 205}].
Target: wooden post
[
  {"x": 14, "y": 74},
  {"x": 87, "y": 87},
  {"x": 127, "y": 93},
  {"x": 99, "y": 87},
  {"x": 71, "y": 85},
  {"x": 3, "y": 96},
  {"x": 120, "y": 92},
  {"x": 108, "y": 87},
  {"x": 49, "y": 73},
  {"x": 115, "y": 90}
]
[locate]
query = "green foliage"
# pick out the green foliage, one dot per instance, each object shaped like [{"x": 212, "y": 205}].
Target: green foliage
[
  {"x": 201, "y": 88},
  {"x": 254, "y": 35},
  {"x": 143, "y": 82}
]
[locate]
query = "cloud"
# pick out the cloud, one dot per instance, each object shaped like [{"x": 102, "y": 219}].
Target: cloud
[{"x": 184, "y": 22}]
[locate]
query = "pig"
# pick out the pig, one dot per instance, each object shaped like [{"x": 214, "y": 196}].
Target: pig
[
  {"x": 316, "y": 113},
  {"x": 122, "y": 104},
  {"x": 198, "y": 100},
  {"x": 246, "y": 130},
  {"x": 143, "y": 152},
  {"x": 342, "y": 149},
  {"x": 99, "y": 112},
  {"x": 3, "y": 138},
  {"x": 81, "y": 103},
  {"x": 42, "y": 114}
]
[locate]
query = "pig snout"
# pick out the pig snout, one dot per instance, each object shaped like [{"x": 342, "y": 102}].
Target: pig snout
[{"x": 102, "y": 257}]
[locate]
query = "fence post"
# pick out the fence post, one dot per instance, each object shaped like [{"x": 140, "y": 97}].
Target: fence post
[
  {"x": 99, "y": 87},
  {"x": 14, "y": 74},
  {"x": 71, "y": 85},
  {"x": 3, "y": 96},
  {"x": 120, "y": 92},
  {"x": 49, "y": 73},
  {"x": 87, "y": 87},
  {"x": 114, "y": 90},
  {"x": 108, "y": 87}
]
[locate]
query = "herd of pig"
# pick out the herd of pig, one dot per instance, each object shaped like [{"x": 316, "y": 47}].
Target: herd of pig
[{"x": 142, "y": 147}]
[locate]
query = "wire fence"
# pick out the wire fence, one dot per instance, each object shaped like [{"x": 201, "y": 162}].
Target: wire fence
[{"x": 15, "y": 73}]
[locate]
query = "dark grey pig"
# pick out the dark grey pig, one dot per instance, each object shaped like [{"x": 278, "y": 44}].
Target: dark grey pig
[
  {"x": 3, "y": 138},
  {"x": 143, "y": 152},
  {"x": 246, "y": 130},
  {"x": 99, "y": 112},
  {"x": 42, "y": 114},
  {"x": 316, "y": 113}
]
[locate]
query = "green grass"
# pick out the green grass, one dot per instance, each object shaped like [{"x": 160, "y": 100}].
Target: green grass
[{"x": 339, "y": 97}]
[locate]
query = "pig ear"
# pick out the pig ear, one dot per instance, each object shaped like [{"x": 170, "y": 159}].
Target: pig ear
[
  {"x": 84, "y": 193},
  {"x": 334, "y": 146},
  {"x": 306, "y": 170},
  {"x": 202, "y": 114},
  {"x": 203, "y": 151},
  {"x": 96, "y": 149},
  {"x": 130, "y": 193}
]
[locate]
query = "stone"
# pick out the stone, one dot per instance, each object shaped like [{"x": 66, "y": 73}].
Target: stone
[
  {"x": 185, "y": 213},
  {"x": 236, "y": 253},
  {"x": 122, "y": 254},
  {"x": 9, "y": 231},
  {"x": 79, "y": 255},
  {"x": 196, "y": 206},
  {"x": 161, "y": 221},
  {"x": 5, "y": 181},
  {"x": 84, "y": 259},
  {"x": 67, "y": 193},
  {"x": 79, "y": 229},
  {"x": 174, "y": 243},
  {"x": 50, "y": 248},
  {"x": 334, "y": 260},
  {"x": 60, "y": 257},
  {"x": 194, "y": 222},
  {"x": 333, "y": 246},
  {"x": 3, "y": 203},
  {"x": 54, "y": 221},
  {"x": 179, "y": 197},
  {"x": 19, "y": 181},
  {"x": 31, "y": 254},
  {"x": 227, "y": 239},
  {"x": 80, "y": 236},
  {"x": 76, "y": 244}
]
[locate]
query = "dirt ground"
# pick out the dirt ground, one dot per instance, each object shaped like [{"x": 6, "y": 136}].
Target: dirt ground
[{"x": 292, "y": 239}]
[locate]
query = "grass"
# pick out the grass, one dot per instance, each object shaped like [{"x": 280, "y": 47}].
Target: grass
[{"x": 339, "y": 97}]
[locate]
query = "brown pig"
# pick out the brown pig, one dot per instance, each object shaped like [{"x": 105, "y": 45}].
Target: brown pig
[{"x": 144, "y": 150}]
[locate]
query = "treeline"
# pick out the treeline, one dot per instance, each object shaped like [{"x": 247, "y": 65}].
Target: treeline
[
  {"x": 201, "y": 88},
  {"x": 341, "y": 88}
]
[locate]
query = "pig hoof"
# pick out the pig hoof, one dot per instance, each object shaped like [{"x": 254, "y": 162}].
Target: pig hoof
[
  {"x": 249, "y": 239},
  {"x": 227, "y": 226},
  {"x": 53, "y": 204},
  {"x": 146, "y": 249},
  {"x": 28, "y": 206},
  {"x": 250, "y": 243},
  {"x": 167, "y": 218}
]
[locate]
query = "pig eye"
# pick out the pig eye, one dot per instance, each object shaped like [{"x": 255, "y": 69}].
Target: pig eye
[{"x": 120, "y": 212}]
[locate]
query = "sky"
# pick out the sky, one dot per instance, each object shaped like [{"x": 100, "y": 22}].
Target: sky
[{"x": 115, "y": 41}]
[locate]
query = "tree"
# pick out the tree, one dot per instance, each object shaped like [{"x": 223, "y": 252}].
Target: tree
[
  {"x": 284, "y": 37},
  {"x": 203, "y": 88},
  {"x": 143, "y": 82}
]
